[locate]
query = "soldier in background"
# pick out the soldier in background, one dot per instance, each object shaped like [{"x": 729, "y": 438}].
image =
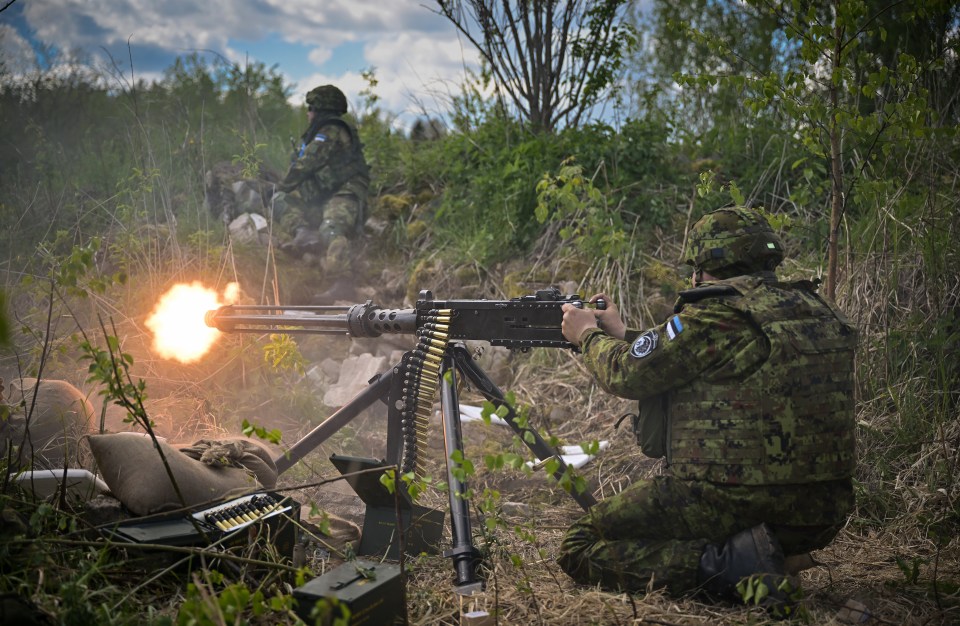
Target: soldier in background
[
  {"x": 747, "y": 390},
  {"x": 322, "y": 199}
]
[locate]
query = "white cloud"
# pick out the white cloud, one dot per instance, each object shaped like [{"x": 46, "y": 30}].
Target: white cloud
[
  {"x": 409, "y": 53},
  {"x": 16, "y": 55},
  {"x": 416, "y": 73},
  {"x": 418, "y": 58},
  {"x": 319, "y": 56}
]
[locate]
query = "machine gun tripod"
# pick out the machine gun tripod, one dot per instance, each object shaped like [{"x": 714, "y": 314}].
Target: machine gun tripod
[{"x": 408, "y": 388}]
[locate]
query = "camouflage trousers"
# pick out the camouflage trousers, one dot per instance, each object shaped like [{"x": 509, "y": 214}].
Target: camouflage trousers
[
  {"x": 341, "y": 211},
  {"x": 653, "y": 532}
]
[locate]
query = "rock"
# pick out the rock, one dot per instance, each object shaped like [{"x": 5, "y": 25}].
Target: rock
[
  {"x": 247, "y": 228},
  {"x": 494, "y": 360},
  {"x": 227, "y": 193},
  {"x": 383, "y": 346},
  {"x": 853, "y": 612},
  {"x": 316, "y": 377},
  {"x": 376, "y": 226},
  {"x": 355, "y": 374},
  {"x": 331, "y": 369},
  {"x": 103, "y": 510},
  {"x": 324, "y": 373},
  {"x": 518, "y": 509},
  {"x": 248, "y": 197},
  {"x": 559, "y": 415}
]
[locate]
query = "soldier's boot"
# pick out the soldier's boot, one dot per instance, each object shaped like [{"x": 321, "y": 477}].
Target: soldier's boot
[
  {"x": 753, "y": 555},
  {"x": 337, "y": 267},
  {"x": 305, "y": 241}
]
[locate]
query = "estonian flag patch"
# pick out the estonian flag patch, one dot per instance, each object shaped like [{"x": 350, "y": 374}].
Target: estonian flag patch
[
  {"x": 320, "y": 137},
  {"x": 674, "y": 327}
]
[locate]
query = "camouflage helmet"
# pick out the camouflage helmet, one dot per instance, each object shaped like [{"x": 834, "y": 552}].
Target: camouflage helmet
[
  {"x": 733, "y": 241},
  {"x": 327, "y": 98}
]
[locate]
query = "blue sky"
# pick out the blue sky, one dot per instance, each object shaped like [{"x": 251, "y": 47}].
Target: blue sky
[{"x": 418, "y": 58}]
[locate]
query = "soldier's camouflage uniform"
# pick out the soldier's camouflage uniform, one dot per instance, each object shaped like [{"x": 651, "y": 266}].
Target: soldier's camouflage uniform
[
  {"x": 325, "y": 190},
  {"x": 748, "y": 391}
]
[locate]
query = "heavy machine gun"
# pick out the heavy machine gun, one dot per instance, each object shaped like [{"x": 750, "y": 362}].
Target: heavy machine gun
[
  {"x": 519, "y": 323},
  {"x": 410, "y": 386}
]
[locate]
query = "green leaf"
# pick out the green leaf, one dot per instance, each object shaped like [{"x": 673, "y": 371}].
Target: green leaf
[
  {"x": 388, "y": 480},
  {"x": 736, "y": 194}
]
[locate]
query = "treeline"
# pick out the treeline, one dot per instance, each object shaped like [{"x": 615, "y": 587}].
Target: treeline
[
  {"x": 840, "y": 119},
  {"x": 75, "y": 142}
]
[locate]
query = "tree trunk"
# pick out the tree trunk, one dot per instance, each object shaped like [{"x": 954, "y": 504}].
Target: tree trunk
[{"x": 836, "y": 164}]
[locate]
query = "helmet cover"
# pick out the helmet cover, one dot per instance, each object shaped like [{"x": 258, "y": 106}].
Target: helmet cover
[
  {"x": 732, "y": 241},
  {"x": 327, "y": 98}
]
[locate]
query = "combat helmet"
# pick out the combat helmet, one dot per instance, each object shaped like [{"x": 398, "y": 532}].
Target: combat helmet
[
  {"x": 327, "y": 98},
  {"x": 733, "y": 241}
]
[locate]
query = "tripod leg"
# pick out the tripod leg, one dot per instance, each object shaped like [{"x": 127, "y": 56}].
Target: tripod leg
[
  {"x": 395, "y": 436},
  {"x": 528, "y": 435},
  {"x": 464, "y": 554},
  {"x": 376, "y": 391}
]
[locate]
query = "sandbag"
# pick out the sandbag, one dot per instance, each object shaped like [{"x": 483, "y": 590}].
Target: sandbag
[
  {"x": 131, "y": 466},
  {"x": 46, "y": 433},
  {"x": 236, "y": 452}
]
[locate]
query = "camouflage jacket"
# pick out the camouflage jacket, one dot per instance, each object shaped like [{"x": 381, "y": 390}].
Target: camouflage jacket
[
  {"x": 330, "y": 164},
  {"x": 749, "y": 382}
]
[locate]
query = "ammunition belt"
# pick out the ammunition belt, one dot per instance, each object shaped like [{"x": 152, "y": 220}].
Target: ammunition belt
[{"x": 421, "y": 368}]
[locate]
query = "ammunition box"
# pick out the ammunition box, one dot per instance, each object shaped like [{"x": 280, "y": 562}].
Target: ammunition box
[{"x": 372, "y": 592}]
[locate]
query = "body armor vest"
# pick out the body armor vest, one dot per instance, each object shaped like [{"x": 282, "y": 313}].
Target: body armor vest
[
  {"x": 789, "y": 420},
  {"x": 350, "y": 172}
]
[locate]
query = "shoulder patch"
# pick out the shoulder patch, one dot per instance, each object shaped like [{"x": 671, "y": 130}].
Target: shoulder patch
[
  {"x": 674, "y": 327},
  {"x": 645, "y": 344},
  {"x": 320, "y": 137}
]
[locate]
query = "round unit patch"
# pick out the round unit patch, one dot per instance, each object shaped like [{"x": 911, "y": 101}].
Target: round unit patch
[{"x": 645, "y": 344}]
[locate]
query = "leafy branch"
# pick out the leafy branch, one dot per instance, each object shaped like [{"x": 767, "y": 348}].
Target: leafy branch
[{"x": 111, "y": 368}]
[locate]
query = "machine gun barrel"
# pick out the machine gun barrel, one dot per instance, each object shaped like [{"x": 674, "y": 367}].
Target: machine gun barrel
[
  {"x": 519, "y": 323},
  {"x": 358, "y": 320}
]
